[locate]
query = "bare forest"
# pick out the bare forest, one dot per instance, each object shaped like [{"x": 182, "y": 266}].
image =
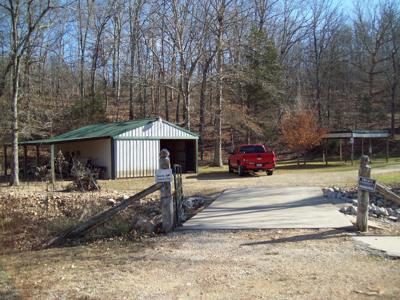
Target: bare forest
[{"x": 227, "y": 69}]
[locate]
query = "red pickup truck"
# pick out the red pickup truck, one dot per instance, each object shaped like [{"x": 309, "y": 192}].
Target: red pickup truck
[{"x": 252, "y": 157}]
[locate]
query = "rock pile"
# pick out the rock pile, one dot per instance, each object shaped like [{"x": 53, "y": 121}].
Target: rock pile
[
  {"x": 192, "y": 203},
  {"x": 190, "y": 206},
  {"x": 378, "y": 206}
]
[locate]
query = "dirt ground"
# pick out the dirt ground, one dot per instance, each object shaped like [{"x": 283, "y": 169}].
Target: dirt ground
[
  {"x": 269, "y": 264},
  {"x": 274, "y": 264}
]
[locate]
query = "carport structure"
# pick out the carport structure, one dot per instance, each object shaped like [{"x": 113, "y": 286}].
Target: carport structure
[
  {"x": 351, "y": 136},
  {"x": 123, "y": 149}
]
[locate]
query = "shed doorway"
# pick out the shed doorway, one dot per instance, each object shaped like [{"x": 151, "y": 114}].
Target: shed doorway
[{"x": 182, "y": 152}]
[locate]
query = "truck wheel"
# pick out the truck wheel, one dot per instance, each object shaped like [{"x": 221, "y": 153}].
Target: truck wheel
[
  {"x": 270, "y": 172},
  {"x": 230, "y": 169},
  {"x": 240, "y": 170}
]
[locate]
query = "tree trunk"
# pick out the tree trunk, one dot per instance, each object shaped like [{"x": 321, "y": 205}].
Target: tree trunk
[
  {"x": 133, "y": 40},
  {"x": 178, "y": 101},
  {"x": 202, "y": 108},
  {"x": 118, "y": 62},
  {"x": 131, "y": 74},
  {"x": 186, "y": 102},
  {"x": 393, "y": 94},
  {"x": 15, "y": 90},
  {"x": 218, "y": 109}
]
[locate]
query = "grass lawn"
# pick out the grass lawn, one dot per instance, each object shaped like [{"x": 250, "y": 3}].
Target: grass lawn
[
  {"x": 388, "y": 178},
  {"x": 209, "y": 176},
  {"x": 333, "y": 166},
  {"x": 313, "y": 166}
]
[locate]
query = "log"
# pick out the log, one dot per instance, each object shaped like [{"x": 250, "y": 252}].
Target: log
[
  {"x": 81, "y": 229},
  {"x": 387, "y": 193}
]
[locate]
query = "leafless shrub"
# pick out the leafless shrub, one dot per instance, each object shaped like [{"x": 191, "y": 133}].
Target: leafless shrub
[{"x": 82, "y": 178}]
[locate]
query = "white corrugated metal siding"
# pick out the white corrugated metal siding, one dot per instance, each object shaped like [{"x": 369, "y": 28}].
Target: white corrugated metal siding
[
  {"x": 158, "y": 129},
  {"x": 136, "y": 151},
  {"x": 136, "y": 158}
]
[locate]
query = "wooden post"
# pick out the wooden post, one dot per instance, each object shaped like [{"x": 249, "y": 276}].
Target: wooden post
[
  {"x": 352, "y": 151},
  {"x": 326, "y": 152},
  {"x": 5, "y": 159},
  {"x": 323, "y": 151},
  {"x": 363, "y": 196},
  {"x": 52, "y": 169},
  {"x": 37, "y": 156},
  {"x": 387, "y": 149},
  {"x": 362, "y": 146},
  {"x": 167, "y": 203},
  {"x": 340, "y": 149},
  {"x": 25, "y": 160},
  {"x": 370, "y": 149}
]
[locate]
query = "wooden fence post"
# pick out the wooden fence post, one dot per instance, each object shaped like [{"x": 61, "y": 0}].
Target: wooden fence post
[
  {"x": 52, "y": 167},
  {"x": 363, "y": 196},
  {"x": 352, "y": 151},
  {"x": 362, "y": 146},
  {"x": 387, "y": 149},
  {"x": 37, "y": 156},
  {"x": 5, "y": 159},
  {"x": 167, "y": 203},
  {"x": 25, "y": 161}
]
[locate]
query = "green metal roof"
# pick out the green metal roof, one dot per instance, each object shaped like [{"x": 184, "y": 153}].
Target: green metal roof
[{"x": 102, "y": 130}]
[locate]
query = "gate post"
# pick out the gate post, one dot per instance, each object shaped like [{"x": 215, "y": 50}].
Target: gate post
[
  {"x": 167, "y": 204},
  {"x": 363, "y": 196}
]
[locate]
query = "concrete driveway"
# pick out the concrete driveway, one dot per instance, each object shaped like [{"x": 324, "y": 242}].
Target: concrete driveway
[{"x": 258, "y": 208}]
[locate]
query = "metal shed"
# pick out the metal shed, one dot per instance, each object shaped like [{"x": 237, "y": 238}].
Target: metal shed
[{"x": 130, "y": 148}]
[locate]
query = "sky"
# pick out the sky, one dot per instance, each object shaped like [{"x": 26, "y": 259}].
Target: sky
[{"x": 348, "y": 5}]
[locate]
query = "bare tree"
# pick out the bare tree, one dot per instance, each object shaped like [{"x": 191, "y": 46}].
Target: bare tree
[
  {"x": 186, "y": 32},
  {"x": 220, "y": 7},
  {"x": 371, "y": 30},
  {"x": 25, "y": 18},
  {"x": 392, "y": 13},
  {"x": 135, "y": 9},
  {"x": 324, "y": 24},
  {"x": 102, "y": 16},
  {"x": 84, "y": 18}
]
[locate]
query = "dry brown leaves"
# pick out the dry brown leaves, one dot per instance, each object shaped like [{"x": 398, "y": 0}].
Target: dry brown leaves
[{"x": 27, "y": 218}]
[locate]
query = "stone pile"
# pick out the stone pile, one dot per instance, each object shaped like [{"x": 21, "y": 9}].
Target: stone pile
[
  {"x": 192, "y": 203},
  {"x": 377, "y": 208}
]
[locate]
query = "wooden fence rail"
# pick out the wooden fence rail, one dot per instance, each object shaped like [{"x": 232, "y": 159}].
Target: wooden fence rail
[
  {"x": 81, "y": 229},
  {"x": 387, "y": 193}
]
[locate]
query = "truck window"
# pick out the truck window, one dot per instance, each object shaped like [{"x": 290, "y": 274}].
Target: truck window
[{"x": 252, "y": 149}]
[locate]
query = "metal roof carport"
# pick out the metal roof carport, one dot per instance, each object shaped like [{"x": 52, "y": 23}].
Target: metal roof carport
[
  {"x": 352, "y": 135},
  {"x": 128, "y": 149}
]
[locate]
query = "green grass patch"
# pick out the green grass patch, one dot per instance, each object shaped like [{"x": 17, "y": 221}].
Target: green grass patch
[
  {"x": 210, "y": 169},
  {"x": 388, "y": 178},
  {"x": 332, "y": 166},
  {"x": 312, "y": 166},
  {"x": 7, "y": 287}
]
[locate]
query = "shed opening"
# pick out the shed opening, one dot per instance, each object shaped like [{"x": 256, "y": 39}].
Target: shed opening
[{"x": 182, "y": 152}]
